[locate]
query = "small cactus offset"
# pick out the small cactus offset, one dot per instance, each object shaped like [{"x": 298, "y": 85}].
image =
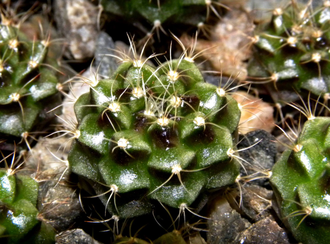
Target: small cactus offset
[
  {"x": 300, "y": 180},
  {"x": 19, "y": 214},
  {"x": 292, "y": 49},
  {"x": 28, "y": 83},
  {"x": 154, "y": 134}
]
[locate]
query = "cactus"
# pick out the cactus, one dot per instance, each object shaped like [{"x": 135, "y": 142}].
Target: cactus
[
  {"x": 300, "y": 180},
  {"x": 19, "y": 215},
  {"x": 151, "y": 134},
  {"x": 292, "y": 49},
  {"x": 154, "y": 16},
  {"x": 28, "y": 84}
]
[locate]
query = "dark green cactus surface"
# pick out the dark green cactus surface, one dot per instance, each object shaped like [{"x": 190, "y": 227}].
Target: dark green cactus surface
[
  {"x": 292, "y": 49},
  {"x": 300, "y": 180},
  {"x": 27, "y": 82},
  {"x": 155, "y": 134},
  {"x": 163, "y": 15},
  {"x": 18, "y": 213}
]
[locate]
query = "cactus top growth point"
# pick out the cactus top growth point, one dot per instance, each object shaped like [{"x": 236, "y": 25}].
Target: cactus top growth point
[
  {"x": 300, "y": 180},
  {"x": 154, "y": 134},
  {"x": 26, "y": 81},
  {"x": 292, "y": 49}
]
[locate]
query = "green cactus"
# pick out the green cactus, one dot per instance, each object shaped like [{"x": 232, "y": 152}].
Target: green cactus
[
  {"x": 300, "y": 180},
  {"x": 154, "y": 134},
  {"x": 28, "y": 83},
  {"x": 292, "y": 49},
  {"x": 155, "y": 16},
  {"x": 19, "y": 215}
]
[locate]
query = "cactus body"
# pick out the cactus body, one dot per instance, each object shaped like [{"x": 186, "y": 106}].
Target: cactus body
[
  {"x": 27, "y": 85},
  {"x": 154, "y": 134},
  {"x": 301, "y": 180},
  {"x": 18, "y": 216},
  {"x": 163, "y": 15},
  {"x": 292, "y": 49}
]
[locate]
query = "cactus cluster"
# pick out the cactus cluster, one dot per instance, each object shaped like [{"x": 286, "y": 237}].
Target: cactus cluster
[
  {"x": 292, "y": 49},
  {"x": 300, "y": 180},
  {"x": 154, "y": 134},
  {"x": 28, "y": 83}
]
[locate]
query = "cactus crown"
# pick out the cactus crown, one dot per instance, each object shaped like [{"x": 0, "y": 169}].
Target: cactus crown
[
  {"x": 154, "y": 133},
  {"x": 293, "y": 48}
]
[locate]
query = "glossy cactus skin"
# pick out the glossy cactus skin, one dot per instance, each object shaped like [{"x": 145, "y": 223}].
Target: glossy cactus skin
[
  {"x": 300, "y": 180},
  {"x": 292, "y": 49},
  {"x": 18, "y": 215},
  {"x": 154, "y": 134},
  {"x": 27, "y": 84}
]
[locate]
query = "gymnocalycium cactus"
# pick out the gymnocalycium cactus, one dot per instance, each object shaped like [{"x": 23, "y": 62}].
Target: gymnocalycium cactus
[
  {"x": 300, "y": 180},
  {"x": 292, "y": 49},
  {"x": 28, "y": 84},
  {"x": 19, "y": 214},
  {"x": 151, "y": 133}
]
